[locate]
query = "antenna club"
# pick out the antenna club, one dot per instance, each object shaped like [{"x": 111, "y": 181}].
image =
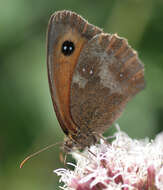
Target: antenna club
[{"x": 23, "y": 162}]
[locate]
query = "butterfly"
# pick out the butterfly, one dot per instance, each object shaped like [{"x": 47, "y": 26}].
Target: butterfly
[{"x": 92, "y": 75}]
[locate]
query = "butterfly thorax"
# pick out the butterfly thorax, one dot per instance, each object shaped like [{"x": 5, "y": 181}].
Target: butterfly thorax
[{"x": 79, "y": 141}]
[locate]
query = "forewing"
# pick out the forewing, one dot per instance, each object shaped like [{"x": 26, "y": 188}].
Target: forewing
[{"x": 65, "y": 26}]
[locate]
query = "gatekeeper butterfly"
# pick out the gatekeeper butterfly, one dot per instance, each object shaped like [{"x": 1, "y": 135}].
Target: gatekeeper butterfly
[{"x": 92, "y": 75}]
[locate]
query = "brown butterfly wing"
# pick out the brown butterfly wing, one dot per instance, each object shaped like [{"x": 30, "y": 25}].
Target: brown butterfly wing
[
  {"x": 108, "y": 74},
  {"x": 65, "y": 26}
]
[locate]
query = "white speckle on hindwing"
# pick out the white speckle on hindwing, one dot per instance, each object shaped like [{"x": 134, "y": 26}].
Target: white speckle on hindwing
[
  {"x": 106, "y": 77},
  {"x": 77, "y": 78}
]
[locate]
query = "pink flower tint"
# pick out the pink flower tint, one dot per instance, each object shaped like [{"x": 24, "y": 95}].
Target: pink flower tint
[{"x": 126, "y": 164}]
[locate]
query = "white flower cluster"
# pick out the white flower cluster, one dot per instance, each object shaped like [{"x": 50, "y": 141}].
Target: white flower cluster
[{"x": 126, "y": 164}]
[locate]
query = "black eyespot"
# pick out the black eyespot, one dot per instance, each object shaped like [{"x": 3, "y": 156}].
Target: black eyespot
[{"x": 68, "y": 48}]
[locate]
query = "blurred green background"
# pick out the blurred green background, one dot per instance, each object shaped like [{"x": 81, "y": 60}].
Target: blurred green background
[{"x": 27, "y": 119}]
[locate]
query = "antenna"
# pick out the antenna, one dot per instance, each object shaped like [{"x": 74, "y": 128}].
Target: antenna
[{"x": 38, "y": 152}]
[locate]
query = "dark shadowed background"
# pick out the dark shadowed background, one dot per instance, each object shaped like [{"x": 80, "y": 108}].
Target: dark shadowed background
[{"x": 27, "y": 119}]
